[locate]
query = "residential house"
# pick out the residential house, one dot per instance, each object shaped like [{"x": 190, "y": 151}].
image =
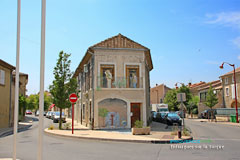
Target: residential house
[
  {"x": 5, "y": 93},
  {"x": 202, "y": 93},
  {"x": 157, "y": 93},
  {"x": 228, "y": 88},
  {"x": 194, "y": 87},
  {"x": 114, "y": 84}
]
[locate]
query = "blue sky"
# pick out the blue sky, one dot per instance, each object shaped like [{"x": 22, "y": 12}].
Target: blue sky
[{"x": 188, "y": 39}]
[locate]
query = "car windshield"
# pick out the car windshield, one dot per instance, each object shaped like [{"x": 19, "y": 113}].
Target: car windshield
[
  {"x": 58, "y": 113},
  {"x": 162, "y": 109},
  {"x": 173, "y": 115}
]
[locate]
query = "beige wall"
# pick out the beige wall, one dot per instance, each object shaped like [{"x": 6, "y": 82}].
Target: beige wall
[
  {"x": 202, "y": 106},
  {"x": 5, "y": 99},
  {"x": 157, "y": 93},
  {"x": 229, "y": 100}
]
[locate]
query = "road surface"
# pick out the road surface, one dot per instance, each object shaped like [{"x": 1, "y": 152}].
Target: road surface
[{"x": 58, "y": 148}]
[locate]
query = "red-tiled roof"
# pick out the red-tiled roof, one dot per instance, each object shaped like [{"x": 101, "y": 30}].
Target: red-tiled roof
[
  {"x": 215, "y": 84},
  {"x": 197, "y": 84},
  {"x": 229, "y": 73}
]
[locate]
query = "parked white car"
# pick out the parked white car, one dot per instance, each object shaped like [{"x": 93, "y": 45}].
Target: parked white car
[{"x": 56, "y": 117}]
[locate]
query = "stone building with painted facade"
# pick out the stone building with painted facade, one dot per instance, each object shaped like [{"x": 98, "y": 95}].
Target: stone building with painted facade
[
  {"x": 228, "y": 88},
  {"x": 114, "y": 84}
]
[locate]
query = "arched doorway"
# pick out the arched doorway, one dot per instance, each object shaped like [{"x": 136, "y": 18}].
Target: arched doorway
[
  {"x": 112, "y": 113},
  {"x": 233, "y": 104}
]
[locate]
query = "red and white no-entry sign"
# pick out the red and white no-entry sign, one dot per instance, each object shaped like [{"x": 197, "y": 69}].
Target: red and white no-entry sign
[{"x": 73, "y": 98}]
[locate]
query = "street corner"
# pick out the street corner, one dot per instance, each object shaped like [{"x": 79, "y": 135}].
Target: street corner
[{"x": 103, "y": 135}]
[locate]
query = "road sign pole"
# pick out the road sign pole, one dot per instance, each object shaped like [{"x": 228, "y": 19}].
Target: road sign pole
[
  {"x": 72, "y": 117},
  {"x": 42, "y": 70},
  {"x": 16, "y": 83},
  {"x": 73, "y": 99}
]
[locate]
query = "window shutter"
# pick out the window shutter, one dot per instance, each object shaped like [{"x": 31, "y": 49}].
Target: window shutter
[
  {"x": 2, "y": 77},
  {"x": 233, "y": 91}
]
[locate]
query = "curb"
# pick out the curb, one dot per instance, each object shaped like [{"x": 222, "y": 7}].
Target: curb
[
  {"x": 10, "y": 132},
  {"x": 119, "y": 140},
  {"x": 20, "y": 129}
]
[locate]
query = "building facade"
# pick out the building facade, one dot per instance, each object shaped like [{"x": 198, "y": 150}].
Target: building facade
[
  {"x": 228, "y": 88},
  {"x": 114, "y": 84},
  {"x": 157, "y": 93},
  {"x": 5, "y": 94},
  {"x": 202, "y": 93}
]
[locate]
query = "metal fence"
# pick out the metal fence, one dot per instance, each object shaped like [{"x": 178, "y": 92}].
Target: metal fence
[{"x": 227, "y": 111}]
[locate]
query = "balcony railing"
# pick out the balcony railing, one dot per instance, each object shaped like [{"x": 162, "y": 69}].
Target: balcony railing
[{"x": 120, "y": 82}]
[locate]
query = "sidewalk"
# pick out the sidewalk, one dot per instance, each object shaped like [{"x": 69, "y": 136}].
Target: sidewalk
[
  {"x": 122, "y": 135},
  {"x": 22, "y": 126},
  {"x": 218, "y": 122}
]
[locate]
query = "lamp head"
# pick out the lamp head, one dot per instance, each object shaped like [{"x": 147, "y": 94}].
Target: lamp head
[{"x": 221, "y": 67}]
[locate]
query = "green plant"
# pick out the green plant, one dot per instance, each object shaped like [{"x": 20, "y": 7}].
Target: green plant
[
  {"x": 186, "y": 132},
  {"x": 51, "y": 127},
  {"x": 68, "y": 125},
  {"x": 138, "y": 124}
]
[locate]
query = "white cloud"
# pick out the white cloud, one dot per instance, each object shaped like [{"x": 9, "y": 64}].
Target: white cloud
[
  {"x": 236, "y": 42},
  {"x": 238, "y": 57},
  {"x": 225, "y": 18},
  {"x": 212, "y": 62}
]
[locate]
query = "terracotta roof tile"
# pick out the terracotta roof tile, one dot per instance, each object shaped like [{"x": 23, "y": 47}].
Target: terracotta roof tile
[{"x": 231, "y": 72}]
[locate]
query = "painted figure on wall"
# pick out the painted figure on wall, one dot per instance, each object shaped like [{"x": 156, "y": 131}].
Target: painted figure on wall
[
  {"x": 109, "y": 78},
  {"x": 112, "y": 119}
]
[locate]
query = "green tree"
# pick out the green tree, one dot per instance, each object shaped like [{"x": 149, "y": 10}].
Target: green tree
[
  {"x": 211, "y": 100},
  {"x": 22, "y": 106},
  {"x": 171, "y": 97},
  {"x": 186, "y": 90},
  {"x": 63, "y": 83},
  {"x": 192, "y": 106},
  {"x": 32, "y": 102},
  {"x": 171, "y": 100}
]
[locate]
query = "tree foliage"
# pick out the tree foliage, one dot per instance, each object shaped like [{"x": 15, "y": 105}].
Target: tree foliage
[
  {"x": 211, "y": 99},
  {"x": 22, "y": 106},
  {"x": 171, "y": 100},
  {"x": 63, "y": 84},
  {"x": 171, "y": 97},
  {"x": 33, "y": 101},
  {"x": 192, "y": 106}
]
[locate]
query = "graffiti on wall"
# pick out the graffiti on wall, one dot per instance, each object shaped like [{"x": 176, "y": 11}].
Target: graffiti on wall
[{"x": 112, "y": 113}]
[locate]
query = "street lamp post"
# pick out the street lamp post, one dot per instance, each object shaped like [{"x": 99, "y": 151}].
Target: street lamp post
[{"x": 235, "y": 86}]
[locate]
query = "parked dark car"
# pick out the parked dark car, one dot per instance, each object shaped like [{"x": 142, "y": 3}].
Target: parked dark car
[
  {"x": 160, "y": 116},
  {"x": 172, "y": 118},
  {"x": 153, "y": 115},
  {"x": 207, "y": 113}
]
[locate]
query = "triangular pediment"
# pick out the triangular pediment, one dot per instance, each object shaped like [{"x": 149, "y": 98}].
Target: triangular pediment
[{"x": 119, "y": 41}]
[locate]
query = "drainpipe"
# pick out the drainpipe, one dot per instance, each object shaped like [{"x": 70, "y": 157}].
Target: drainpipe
[
  {"x": 81, "y": 96},
  {"x": 10, "y": 103},
  {"x": 92, "y": 120}
]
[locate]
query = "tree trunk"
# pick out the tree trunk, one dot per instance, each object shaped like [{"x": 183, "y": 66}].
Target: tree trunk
[
  {"x": 211, "y": 115},
  {"x": 60, "y": 120}
]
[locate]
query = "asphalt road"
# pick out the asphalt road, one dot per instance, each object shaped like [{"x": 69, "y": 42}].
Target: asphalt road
[{"x": 58, "y": 148}]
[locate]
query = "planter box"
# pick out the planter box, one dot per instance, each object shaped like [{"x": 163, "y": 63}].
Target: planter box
[{"x": 141, "y": 131}]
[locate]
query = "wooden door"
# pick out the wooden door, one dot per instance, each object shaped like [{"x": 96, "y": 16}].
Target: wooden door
[{"x": 135, "y": 109}]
